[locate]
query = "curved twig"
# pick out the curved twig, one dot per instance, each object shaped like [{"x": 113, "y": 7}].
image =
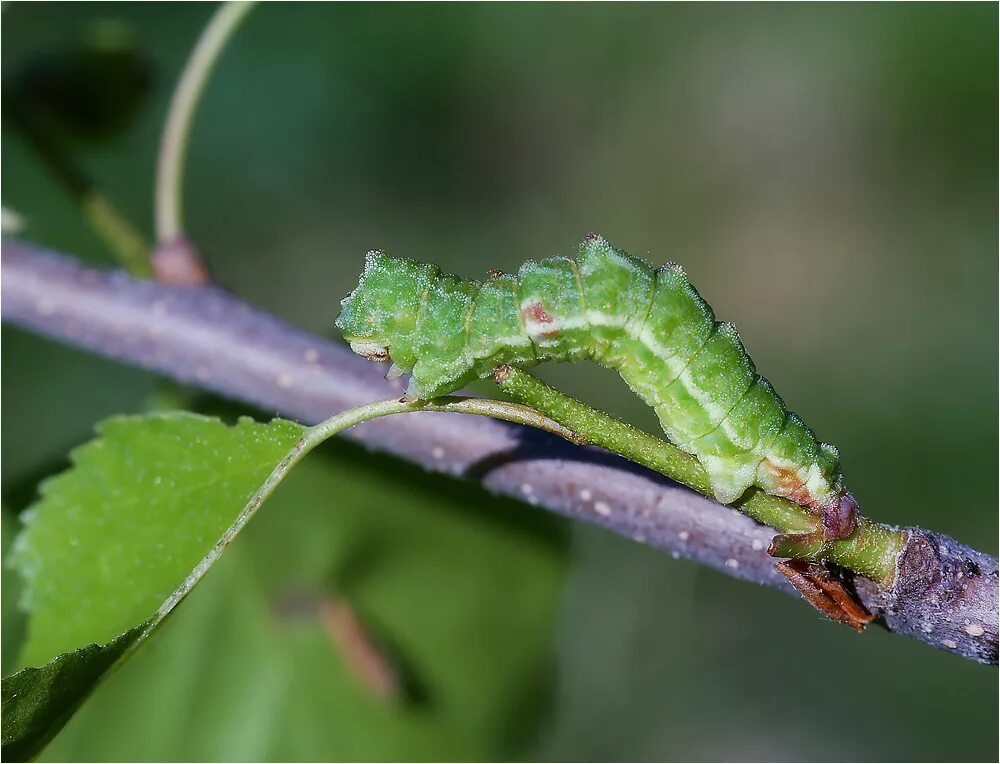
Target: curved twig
[
  {"x": 173, "y": 145},
  {"x": 945, "y": 592}
]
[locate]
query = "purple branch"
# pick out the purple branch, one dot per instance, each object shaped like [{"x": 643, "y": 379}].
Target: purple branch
[{"x": 945, "y": 593}]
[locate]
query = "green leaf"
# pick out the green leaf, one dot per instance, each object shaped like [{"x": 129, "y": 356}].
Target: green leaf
[
  {"x": 13, "y": 616},
  {"x": 37, "y": 702},
  {"x": 115, "y": 535},
  {"x": 112, "y": 545},
  {"x": 460, "y": 588}
]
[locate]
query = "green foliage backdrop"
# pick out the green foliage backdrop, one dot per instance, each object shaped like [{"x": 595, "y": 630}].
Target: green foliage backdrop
[{"x": 832, "y": 163}]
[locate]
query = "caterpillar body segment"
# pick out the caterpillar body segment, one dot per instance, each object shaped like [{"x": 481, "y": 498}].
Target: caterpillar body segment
[
  {"x": 650, "y": 325},
  {"x": 497, "y": 333}
]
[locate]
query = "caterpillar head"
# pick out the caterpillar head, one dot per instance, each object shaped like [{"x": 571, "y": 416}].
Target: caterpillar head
[{"x": 379, "y": 317}]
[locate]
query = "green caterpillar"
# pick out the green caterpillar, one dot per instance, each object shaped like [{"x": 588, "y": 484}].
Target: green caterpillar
[{"x": 651, "y": 326}]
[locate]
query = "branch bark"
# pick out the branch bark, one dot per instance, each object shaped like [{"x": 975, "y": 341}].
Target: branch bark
[{"x": 945, "y": 593}]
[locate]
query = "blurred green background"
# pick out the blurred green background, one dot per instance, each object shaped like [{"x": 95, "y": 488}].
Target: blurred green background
[{"x": 827, "y": 174}]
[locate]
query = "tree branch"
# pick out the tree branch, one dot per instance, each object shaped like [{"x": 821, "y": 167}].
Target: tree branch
[{"x": 945, "y": 593}]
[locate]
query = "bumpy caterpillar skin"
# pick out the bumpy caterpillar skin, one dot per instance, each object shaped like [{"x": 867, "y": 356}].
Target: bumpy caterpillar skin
[{"x": 650, "y": 325}]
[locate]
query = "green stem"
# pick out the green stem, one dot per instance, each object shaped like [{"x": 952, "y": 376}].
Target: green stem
[
  {"x": 871, "y": 550},
  {"x": 119, "y": 234},
  {"x": 173, "y": 145}
]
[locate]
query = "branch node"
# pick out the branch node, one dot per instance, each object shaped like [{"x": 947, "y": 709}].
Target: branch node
[{"x": 177, "y": 262}]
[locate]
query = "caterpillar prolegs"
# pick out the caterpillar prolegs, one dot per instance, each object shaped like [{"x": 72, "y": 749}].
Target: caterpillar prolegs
[{"x": 650, "y": 325}]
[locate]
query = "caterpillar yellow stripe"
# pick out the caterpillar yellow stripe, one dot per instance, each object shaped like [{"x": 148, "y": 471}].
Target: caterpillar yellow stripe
[{"x": 605, "y": 305}]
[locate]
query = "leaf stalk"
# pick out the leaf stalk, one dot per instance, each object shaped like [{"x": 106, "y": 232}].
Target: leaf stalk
[{"x": 872, "y": 550}]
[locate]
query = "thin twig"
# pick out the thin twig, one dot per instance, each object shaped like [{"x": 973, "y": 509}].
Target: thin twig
[
  {"x": 945, "y": 593},
  {"x": 173, "y": 145},
  {"x": 118, "y": 232}
]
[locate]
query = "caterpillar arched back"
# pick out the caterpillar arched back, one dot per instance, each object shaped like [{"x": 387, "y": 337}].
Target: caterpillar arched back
[{"x": 651, "y": 326}]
